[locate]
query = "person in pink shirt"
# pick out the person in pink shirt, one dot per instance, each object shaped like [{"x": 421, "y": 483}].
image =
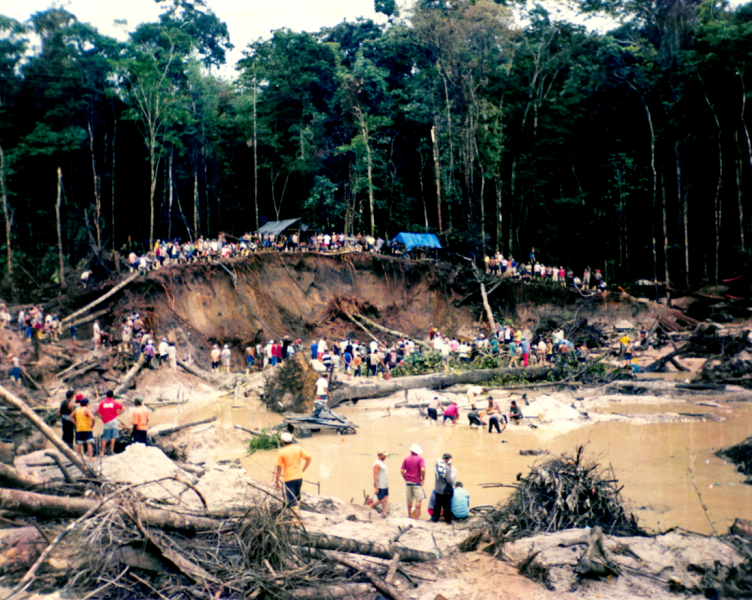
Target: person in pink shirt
[
  {"x": 452, "y": 412},
  {"x": 414, "y": 473},
  {"x": 109, "y": 410}
]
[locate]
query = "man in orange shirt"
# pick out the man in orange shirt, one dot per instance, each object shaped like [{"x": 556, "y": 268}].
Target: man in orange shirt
[
  {"x": 288, "y": 467},
  {"x": 140, "y": 421},
  {"x": 84, "y": 420}
]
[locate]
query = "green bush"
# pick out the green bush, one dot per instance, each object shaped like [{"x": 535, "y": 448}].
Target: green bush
[{"x": 268, "y": 440}]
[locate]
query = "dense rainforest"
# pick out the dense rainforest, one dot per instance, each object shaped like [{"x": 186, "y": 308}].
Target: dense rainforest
[{"x": 496, "y": 125}]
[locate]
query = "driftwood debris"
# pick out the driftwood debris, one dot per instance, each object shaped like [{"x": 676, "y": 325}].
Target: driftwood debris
[
  {"x": 322, "y": 541},
  {"x": 101, "y": 299},
  {"x": 48, "y": 432},
  {"x": 378, "y": 388},
  {"x": 46, "y": 506}
]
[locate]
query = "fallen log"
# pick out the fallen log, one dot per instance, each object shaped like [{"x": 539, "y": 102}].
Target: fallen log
[
  {"x": 332, "y": 592},
  {"x": 92, "y": 317},
  {"x": 130, "y": 375},
  {"x": 15, "y": 478},
  {"x": 50, "y": 507},
  {"x": 321, "y": 541},
  {"x": 660, "y": 364},
  {"x": 398, "y": 334},
  {"x": 171, "y": 430},
  {"x": 201, "y": 374},
  {"x": 48, "y": 432},
  {"x": 378, "y": 388},
  {"x": 101, "y": 299}
]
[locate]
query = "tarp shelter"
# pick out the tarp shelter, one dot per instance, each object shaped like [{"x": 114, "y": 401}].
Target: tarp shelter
[
  {"x": 275, "y": 228},
  {"x": 417, "y": 240}
]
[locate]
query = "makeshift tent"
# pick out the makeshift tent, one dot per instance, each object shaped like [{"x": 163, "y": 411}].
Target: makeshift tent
[
  {"x": 417, "y": 240},
  {"x": 277, "y": 227}
]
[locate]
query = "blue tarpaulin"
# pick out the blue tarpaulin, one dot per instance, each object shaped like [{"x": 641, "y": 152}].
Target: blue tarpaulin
[{"x": 417, "y": 240}]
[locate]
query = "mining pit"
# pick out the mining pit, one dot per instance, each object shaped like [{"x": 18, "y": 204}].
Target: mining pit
[{"x": 659, "y": 434}]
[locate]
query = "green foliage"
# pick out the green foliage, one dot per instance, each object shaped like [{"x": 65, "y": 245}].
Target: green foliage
[
  {"x": 419, "y": 363},
  {"x": 269, "y": 439}
]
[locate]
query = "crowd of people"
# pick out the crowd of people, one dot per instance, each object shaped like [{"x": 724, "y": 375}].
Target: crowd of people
[
  {"x": 165, "y": 252},
  {"x": 78, "y": 421},
  {"x": 498, "y": 265}
]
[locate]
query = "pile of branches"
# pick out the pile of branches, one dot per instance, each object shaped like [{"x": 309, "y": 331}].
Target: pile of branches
[
  {"x": 253, "y": 556},
  {"x": 560, "y": 493},
  {"x": 291, "y": 387}
]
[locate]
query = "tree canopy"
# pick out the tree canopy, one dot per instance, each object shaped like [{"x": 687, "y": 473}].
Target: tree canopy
[{"x": 499, "y": 126}]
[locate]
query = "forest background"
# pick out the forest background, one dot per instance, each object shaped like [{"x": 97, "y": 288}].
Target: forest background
[{"x": 493, "y": 124}]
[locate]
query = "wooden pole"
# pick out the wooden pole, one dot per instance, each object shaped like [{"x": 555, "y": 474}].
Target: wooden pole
[{"x": 48, "y": 432}]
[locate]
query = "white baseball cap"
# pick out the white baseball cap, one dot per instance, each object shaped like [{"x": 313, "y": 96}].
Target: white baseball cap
[
  {"x": 286, "y": 437},
  {"x": 417, "y": 449}
]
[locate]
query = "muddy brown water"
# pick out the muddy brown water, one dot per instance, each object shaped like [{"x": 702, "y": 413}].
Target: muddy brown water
[{"x": 667, "y": 469}]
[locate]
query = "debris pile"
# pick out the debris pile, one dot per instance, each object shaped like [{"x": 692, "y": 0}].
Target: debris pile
[{"x": 559, "y": 493}]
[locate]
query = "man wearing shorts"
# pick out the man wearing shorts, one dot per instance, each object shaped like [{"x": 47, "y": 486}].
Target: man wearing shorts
[
  {"x": 381, "y": 483},
  {"x": 414, "y": 473},
  {"x": 140, "y": 422},
  {"x": 109, "y": 410},
  {"x": 289, "y": 468},
  {"x": 84, "y": 420},
  {"x": 433, "y": 408}
]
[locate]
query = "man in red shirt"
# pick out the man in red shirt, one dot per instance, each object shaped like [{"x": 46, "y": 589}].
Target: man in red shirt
[
  {"x": 109, "y": 410},
  {"x": 414, "y": 473}
]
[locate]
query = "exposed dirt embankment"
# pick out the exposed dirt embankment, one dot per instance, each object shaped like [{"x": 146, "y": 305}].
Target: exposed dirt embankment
[
  {"x": 294, "y": 296},
  {"x": 301, "y": 296}
]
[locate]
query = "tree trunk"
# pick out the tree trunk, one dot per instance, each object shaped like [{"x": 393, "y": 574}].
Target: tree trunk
[
  {"x": 740, "y": 197},
  {"x": 14, "y": 478},
  {"x": 152, "y": 190},
  {"x": 437, "y": 174},
  {"x": 97, "y": 185},
  {"x": 112, "y": 178},
  {"x": 717, "y": 200},
  {"x": 379, "y": 388},
  {"x": 101, "y": 299},
  {"x": 499, "y": 217},
  {"x": 16, "y": 402},
  {"x": 255, "y": 154},
  {"x": 322, "y": 541},
  {"x": 665, "y": 242},
  {"x": 510, "y": 212},
  {"x": 170, "y": 195},
  {"x": 397, "y": 334},
  {"x": 131, "y": 374},
  {"x": 8, "y": 226},
  {"x": 52, "y": 507},
  {"x": 59, "y": 227}
]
